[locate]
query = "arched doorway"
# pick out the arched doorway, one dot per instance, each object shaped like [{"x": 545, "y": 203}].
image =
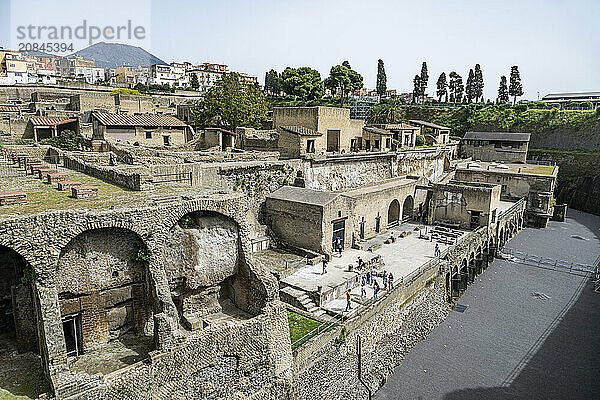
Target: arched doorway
[
  {"x": 17, "y": 317},
  {"x": 103, "y": 289},
  {"x": 407, "y": 208},
  {"x": 393, "y": 213},
  {"x": 23, "y": 373}
]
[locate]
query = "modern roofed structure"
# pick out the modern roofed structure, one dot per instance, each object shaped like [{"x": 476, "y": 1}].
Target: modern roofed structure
[
  {"x": 496, "y": 146},
  {"x": 593, "y": 97}
]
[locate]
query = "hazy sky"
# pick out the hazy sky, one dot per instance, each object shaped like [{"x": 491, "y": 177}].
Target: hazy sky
[{"x": 555, "y": 43}]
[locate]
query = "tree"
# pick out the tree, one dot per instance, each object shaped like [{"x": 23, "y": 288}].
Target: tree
[
  {"x": 456, "y": 87},
  {"x": 478, "y": 83},
  {"x": 381, "y": 85},
  {"x": 303, "y": 82},
  {"x": 515, "y": 88},
  {"x": 194, "y": 82},
  {"x": 502, "y": 91},
  {"x": 442, "y": 86},
  {"x": 470, "y": 89},
  {"x": 344, "y": 79},
  {"x": 417, "y": 86},
  {"x": 424, "y": 80},
  {"x": 140, "y": 87},
  {"x": 272, "y": 82},
  {"x": 230, "y": 104}
]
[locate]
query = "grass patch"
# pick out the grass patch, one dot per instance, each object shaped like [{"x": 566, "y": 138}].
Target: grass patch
[
  {"x": 538, "y": 169},
  {"x": 300, "y": 325}
]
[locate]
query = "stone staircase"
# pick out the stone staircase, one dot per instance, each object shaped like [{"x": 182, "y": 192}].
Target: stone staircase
[{"x": 301, "y": 300}]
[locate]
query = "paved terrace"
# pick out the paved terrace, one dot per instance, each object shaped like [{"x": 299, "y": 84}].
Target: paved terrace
[
  {"x": 400, "y": 258},
  {"x": 528, "y": 333}
]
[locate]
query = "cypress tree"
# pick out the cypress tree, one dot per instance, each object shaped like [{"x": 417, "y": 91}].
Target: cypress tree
[
  {"x": 478, "y": 83},
  {"x": 470, "y": 88},
  {"x": 442, "y": 86},
  {"x": 381, "y": 85},
  {"x": 417, "y": 85},
  {"x": 424, "y": 78},
  {"x": 515, "y": 88},
  {"x": 502, "y": 91}
]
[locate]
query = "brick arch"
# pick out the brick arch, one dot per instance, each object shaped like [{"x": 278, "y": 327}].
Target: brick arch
[
  {"x": 21, "y": 248},
  {"x": 176, "y": 213},
  {"x": 101, "y": 224}
]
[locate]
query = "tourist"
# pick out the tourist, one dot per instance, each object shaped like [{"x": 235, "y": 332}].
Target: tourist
[
  {"x": 348, "y": 303},
  {"x": 436, "y": 252},
  {"x": 324, "y": 261},
  {"x": 373, "y": 276},
  {"x": 368, "y": 275},
  {"x": 363, "y": 290},
  {"x": 339, "y": 247},
  {"x": 361, "y": 263},
  {"x": 390, "y": 281},
  {"x": 375, "y": 289},
  {"x": 392, "y": 237}
]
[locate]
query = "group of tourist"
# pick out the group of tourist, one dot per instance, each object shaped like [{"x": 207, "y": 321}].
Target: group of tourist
[{"x": 370, "y": 278}]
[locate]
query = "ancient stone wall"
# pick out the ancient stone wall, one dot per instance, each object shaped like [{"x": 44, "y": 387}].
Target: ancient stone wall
[
  {"x": 249, "y": 357},
  {"x": 131, "y": 178}
]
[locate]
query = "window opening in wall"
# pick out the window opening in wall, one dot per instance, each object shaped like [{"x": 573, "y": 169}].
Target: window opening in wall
[
  {"x": 148, "y": 135},
  {"x": 72, "y": 332},
  {"x": 475, "y": 215},
  {"x": 310, "y": 146},
  {"x": 166, "y": 140}
]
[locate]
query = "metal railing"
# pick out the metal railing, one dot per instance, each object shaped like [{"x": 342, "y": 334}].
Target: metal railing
[
  {"x": 175, "y": 177},
  {"x": 550, "y": 263}
]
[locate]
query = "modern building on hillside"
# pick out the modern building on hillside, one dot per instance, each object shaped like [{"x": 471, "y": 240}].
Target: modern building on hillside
[
  {"x": 144, "y": 129},
  {"x": 508, "y": 147},
  {"x": 592, "y": 97}
]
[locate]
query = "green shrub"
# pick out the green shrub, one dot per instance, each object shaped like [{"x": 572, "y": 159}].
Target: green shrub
[
  {"x": 420, "y": 140},
  {"x": 67, "y": 140},
  {"x": 125, "y": 91}
]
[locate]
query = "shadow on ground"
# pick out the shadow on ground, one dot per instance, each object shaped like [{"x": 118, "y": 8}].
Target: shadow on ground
[
  {"x": 564, "y": 366},
  {"x": 21, "y": 375}
]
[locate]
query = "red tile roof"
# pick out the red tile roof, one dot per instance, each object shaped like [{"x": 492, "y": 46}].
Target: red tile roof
[
  {"x": 50, "y": 121},
  {"x": 150, "y": 120},
  {"x": 9, "y": 108}
]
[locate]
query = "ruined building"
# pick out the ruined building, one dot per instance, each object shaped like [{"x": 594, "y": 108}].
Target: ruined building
[{"x": 140, "y": 271}]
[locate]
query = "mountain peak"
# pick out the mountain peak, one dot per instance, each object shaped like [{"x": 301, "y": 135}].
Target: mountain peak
[{"x": 112, "y": 55}]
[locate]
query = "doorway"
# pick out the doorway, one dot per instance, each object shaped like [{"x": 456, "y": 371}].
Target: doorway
[
  {"x": 72, "y": 332},
  {"x": 333, "y": 140},
  {"x": 339, "y": 230}
]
